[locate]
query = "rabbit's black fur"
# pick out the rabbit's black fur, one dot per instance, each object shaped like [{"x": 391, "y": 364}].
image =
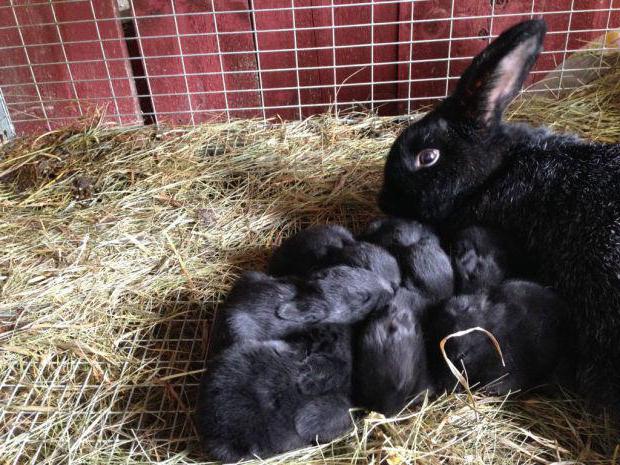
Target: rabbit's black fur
[
  {"x": 370, "y": 257},
  {"x": 329, "y": 363},
  {"x": 528, "y": 322},
  {"x": 395, "y": 233},
  {"x": 250, "y": 402},
  {"x": 261, "y": 307},
  {"x": 424, "y": 265},
  {"x": 306, "y": 251},
  {"x": 557, "y": 195},
  {"x": 390, "y": 357},
  {"x": 481, "y": 259}
]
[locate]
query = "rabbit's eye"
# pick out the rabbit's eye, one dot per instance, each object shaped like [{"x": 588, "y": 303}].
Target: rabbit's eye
[{"x": 426, "y": 158}]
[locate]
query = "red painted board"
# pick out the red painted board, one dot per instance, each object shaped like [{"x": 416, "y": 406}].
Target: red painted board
[
  {"x": 162, "y": 61},
  {"x": 315, "y": 24},
  {"x": 52, "y": 75},
  {"x": 16, "y": 81},
  {"x": 305, "y": 41},
  {"x": 439, "y": 46},
  {"x": 430, "y": 51},
  {"x": 275, "y": 42},
  {"x": 242, "y": 80},
  {"x": 405, "y": 54},
  {"x": 352, "y": 62},
  {"x": 105, "y": 80},
  {"x": 172, "y": 77},
  {"x": 385, "y": 55},
  {"x": 205, "y": 82}
]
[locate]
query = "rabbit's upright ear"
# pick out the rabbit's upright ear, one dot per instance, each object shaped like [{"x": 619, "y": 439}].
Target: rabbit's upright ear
[{"x": 496, "y": 75}]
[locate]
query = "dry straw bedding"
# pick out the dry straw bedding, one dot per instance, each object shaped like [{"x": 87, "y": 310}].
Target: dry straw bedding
[{"x": 116, "y": 246}]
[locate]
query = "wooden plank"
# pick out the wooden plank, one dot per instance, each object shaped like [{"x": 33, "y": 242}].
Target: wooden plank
[
  {"x": 405, "y": 54},
  {"x": 164, "y": 67},
  {"x": 18, "y": 85},
  {"x": 170, "y": 86},
  {"x": 241, "y": 67},
  {"x": 58, "y": 81},
  {"x": 105, "y": 80},
  {"x": 199, "y": 44},
  {"x": 266, "y": 43},
  {"x": 385, "y": 56},
  {"x": 353, "y": 62},
  {"x": 321, "y": 58}
]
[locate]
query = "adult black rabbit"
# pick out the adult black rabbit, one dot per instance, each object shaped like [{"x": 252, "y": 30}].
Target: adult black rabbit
[
  {"x": 305, "y": 251},
  {"x": 251, "y": 401},
  {"x": 527, "y": 320},
  {"x": 424, "y": 265},
  {"x": 390, "y": 356},
  {"x": 557, "y": 195}
]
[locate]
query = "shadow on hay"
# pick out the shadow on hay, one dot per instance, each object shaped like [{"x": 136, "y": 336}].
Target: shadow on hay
[{"x": 173, "y": 352}]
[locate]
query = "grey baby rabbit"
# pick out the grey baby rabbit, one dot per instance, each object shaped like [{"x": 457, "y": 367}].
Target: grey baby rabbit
[
  {"x": 262, "y": 307},
  {"x": 390, "y": 357},
  {"x": 559, "y": 196},
  {"x": 528, "y": 322},
  {"x": 252, "y": 403},
  {"x": 306, "y": 251},
  {"x": 370, "y": 257},
  {"x": 424, "y": 265}
]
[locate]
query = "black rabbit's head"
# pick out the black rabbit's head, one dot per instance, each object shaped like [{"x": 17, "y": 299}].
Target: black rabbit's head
[{"x": 442, "y": 158}]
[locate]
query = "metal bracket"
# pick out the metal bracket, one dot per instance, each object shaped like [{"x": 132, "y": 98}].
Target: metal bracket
[{"x": 7, "y": 130}]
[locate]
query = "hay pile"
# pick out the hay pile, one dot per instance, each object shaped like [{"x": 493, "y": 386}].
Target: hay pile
[{"x": 116, "y": 246}]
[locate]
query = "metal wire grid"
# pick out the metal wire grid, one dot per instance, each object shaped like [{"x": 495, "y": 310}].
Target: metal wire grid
[
  {"x": 150, "y": 421},
  {"x": 342, "y": 73},
  {"x": 160, "y": 414}
]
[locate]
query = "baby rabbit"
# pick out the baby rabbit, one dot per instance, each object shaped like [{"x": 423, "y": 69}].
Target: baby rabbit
[
  {"x": 559, "y": 196},
  {"x": 251, "y": 402},
  {"x": 395, "y": 233},
  {"x": 329, "y": 346},
  {"x": 261, "y": 307},
  {"x": 390, "y": 356},
  {"x": 369, "y": 257},
  {"x": 306, "y": 251},
  {"x": 480, "y": 259},
  {"x": 424, "y": 265},
  {"x": 524, "y": 317}
]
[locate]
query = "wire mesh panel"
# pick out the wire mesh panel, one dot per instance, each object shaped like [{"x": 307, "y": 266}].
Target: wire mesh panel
[
  {"x": 124, "y": 393},
  {"x": 182, "y": 61}
]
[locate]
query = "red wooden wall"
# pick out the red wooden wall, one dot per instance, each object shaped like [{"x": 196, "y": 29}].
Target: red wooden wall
[
  {"x": 46, "y": 83},
  {"x": 253, "y": 58}
]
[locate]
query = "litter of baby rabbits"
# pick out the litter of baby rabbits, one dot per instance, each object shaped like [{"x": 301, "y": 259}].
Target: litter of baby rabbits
[{"x": 107, "y": 291}]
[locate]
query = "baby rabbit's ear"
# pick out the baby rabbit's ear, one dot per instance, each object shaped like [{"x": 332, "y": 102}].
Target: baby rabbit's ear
[
  {"x": 311, "y": 313},
  {"x": 496, "y": 75}
]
